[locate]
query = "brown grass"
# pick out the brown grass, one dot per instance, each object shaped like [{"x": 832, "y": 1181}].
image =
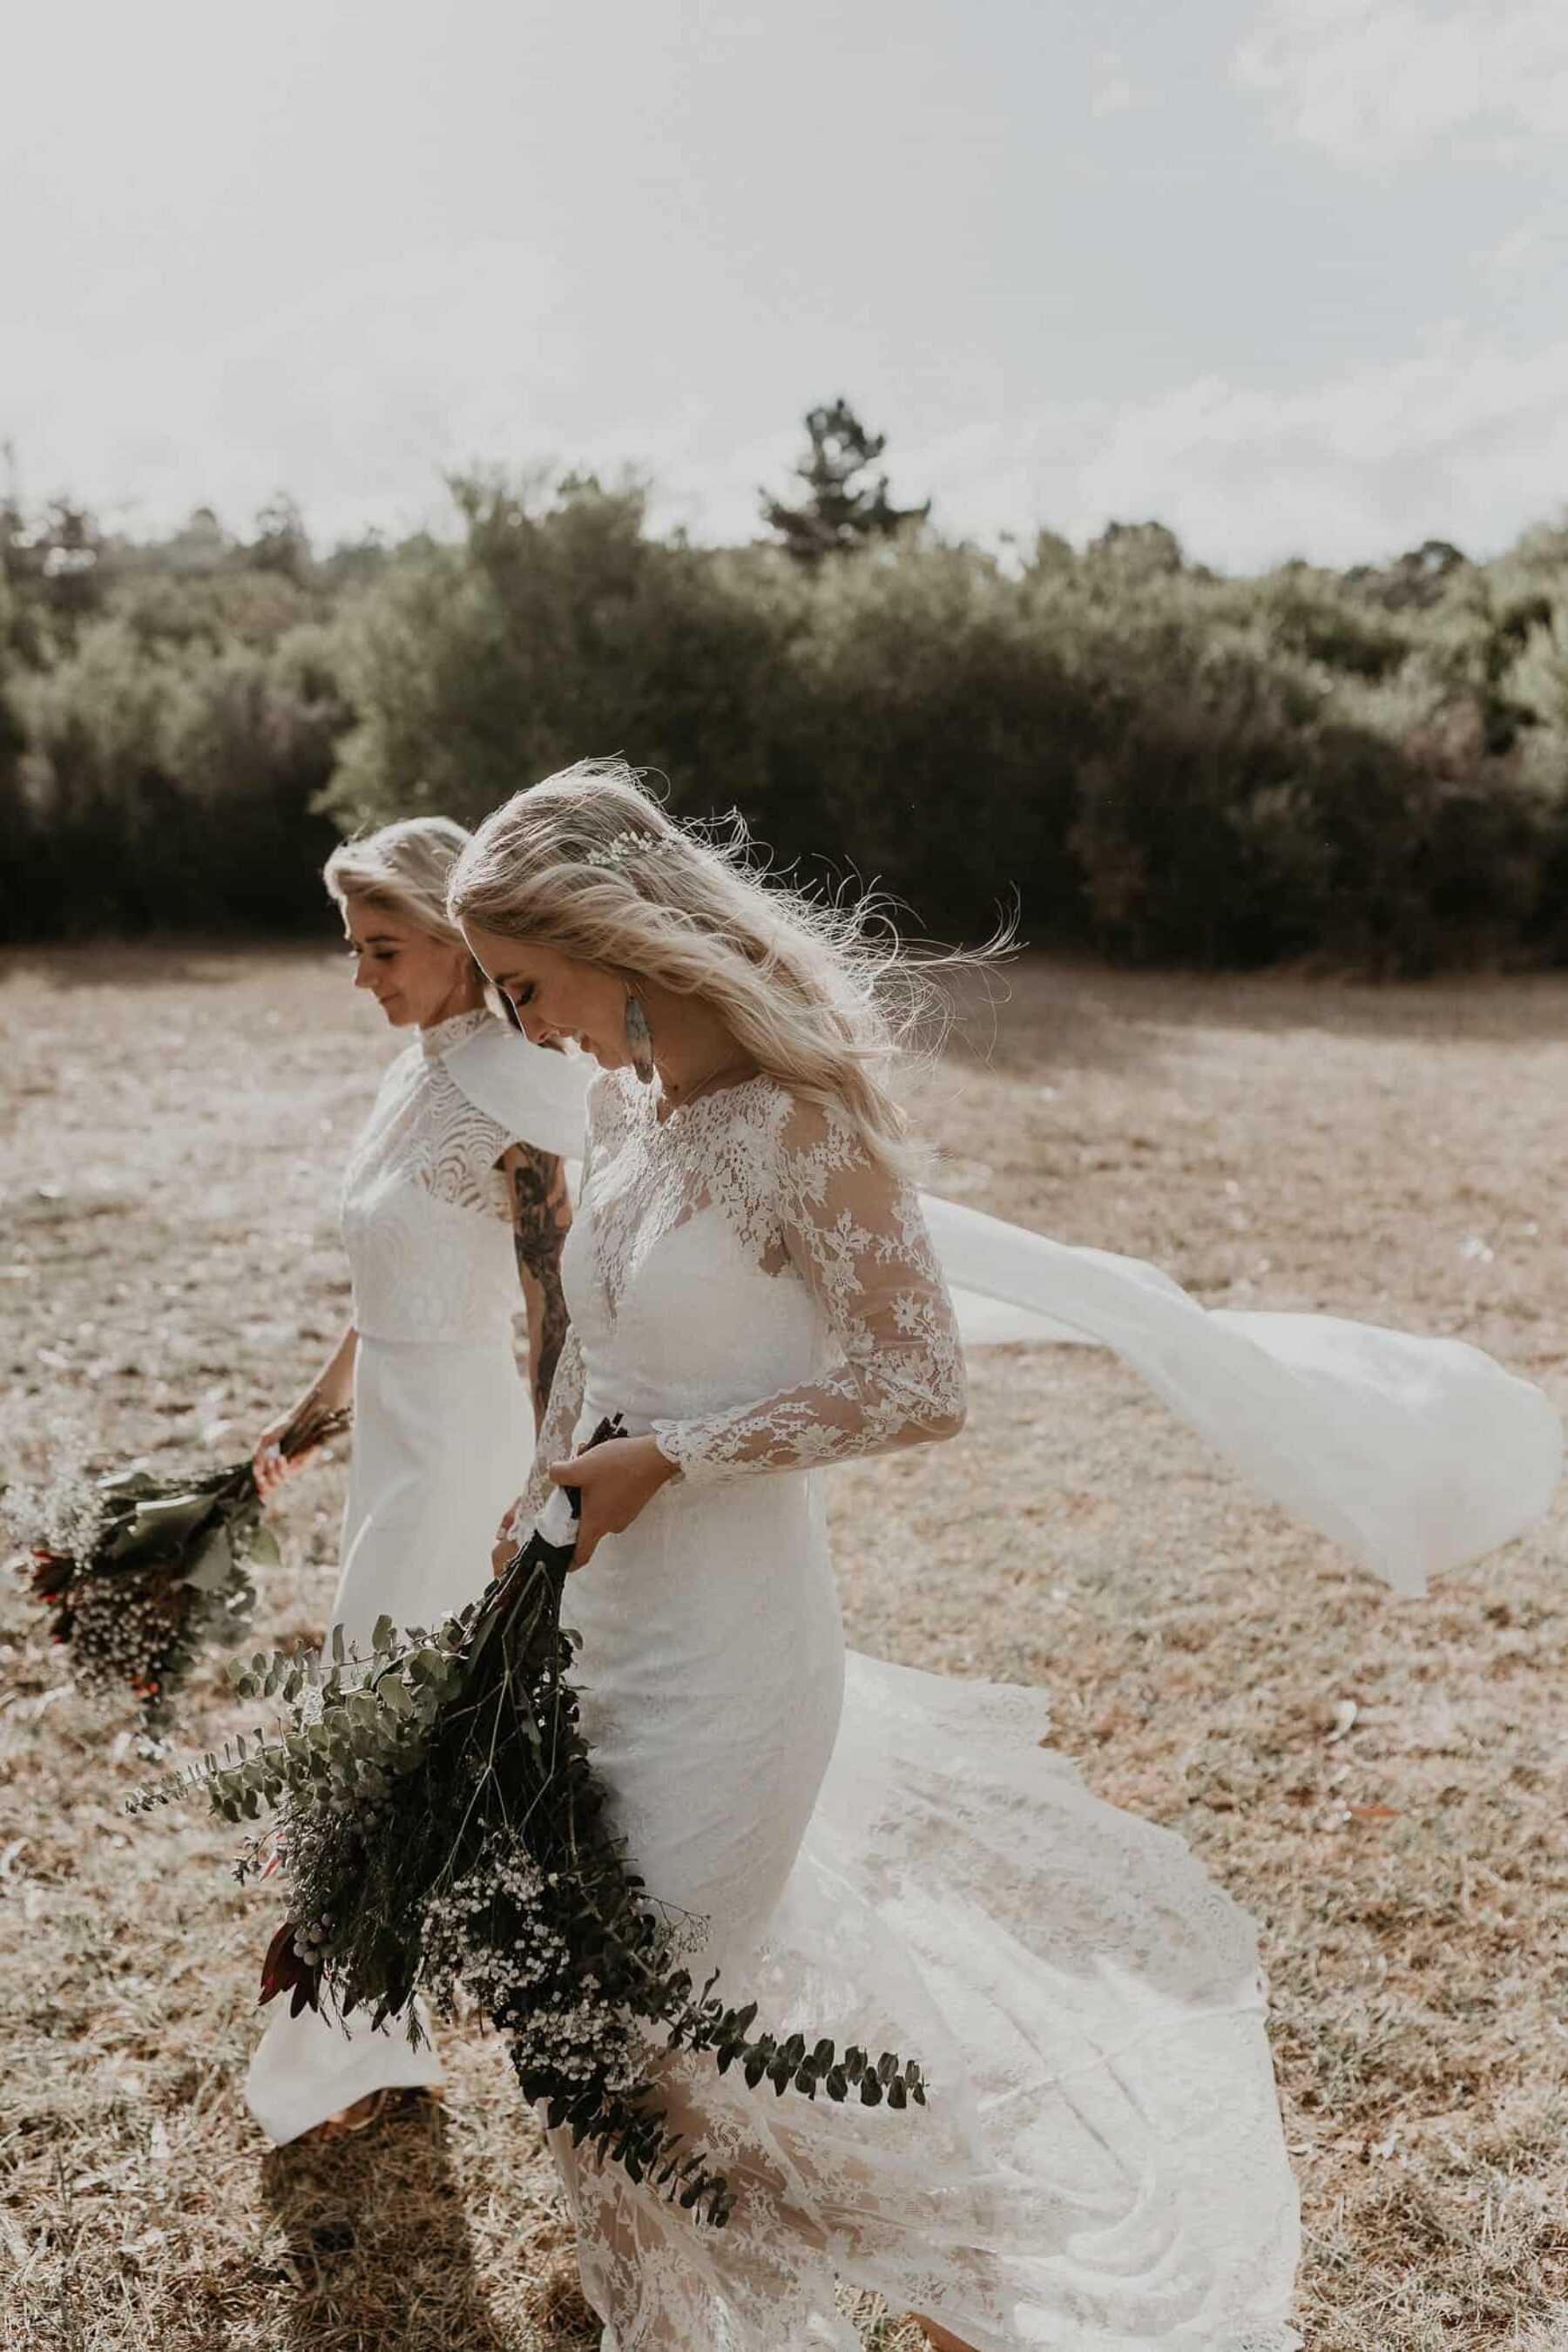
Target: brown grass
[{"x": 170, "y": 1270}]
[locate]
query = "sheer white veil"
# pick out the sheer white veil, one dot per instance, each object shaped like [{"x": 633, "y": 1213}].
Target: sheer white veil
[{"x": 1415, "y": 1454}]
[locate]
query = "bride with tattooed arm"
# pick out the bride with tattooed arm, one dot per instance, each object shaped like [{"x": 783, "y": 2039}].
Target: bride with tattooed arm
[{"x": 454, "y": 1193}]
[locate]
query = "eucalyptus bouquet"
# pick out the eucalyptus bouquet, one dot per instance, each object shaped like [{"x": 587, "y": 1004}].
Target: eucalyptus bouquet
[
  {"x": 444, "y": 1832},
  {"x": 140, "y": 1574}
]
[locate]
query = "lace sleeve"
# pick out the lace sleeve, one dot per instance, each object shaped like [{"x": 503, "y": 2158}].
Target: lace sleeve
[
  {"x": 554, "y": 1442},
  {"x": 857, "y": 1239}
]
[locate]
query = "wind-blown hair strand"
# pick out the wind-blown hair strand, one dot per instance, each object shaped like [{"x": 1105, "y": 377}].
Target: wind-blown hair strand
[{"x": 819, "y": 991}]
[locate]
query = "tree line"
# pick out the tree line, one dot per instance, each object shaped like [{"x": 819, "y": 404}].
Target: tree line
[{"x": 1366, "y": 767}]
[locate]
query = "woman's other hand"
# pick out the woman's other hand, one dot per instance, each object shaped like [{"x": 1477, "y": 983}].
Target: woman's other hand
[
  {"x": 509, "y": 1535},
  {"x": 272, "y": 1466},
  {"x": 323, "y": 1409}
]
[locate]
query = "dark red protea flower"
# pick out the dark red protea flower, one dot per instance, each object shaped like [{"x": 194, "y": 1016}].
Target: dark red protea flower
[
  {"x": 51, "y": 1572},
  {"x": 283, "y": 1970}
]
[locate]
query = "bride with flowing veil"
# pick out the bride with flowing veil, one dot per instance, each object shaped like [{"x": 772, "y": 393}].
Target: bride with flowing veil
[
  {"x": 454, "y": 1190},
  {"x": 894, "y": 1858}
]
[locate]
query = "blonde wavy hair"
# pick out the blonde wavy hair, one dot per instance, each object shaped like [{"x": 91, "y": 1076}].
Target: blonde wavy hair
[
  {"x": 405, "y": 867},
  {"x": 820, "y": 992}
]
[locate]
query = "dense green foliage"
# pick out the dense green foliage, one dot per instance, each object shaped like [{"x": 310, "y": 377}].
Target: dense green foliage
[
  {"x": 444, "y": 1832},
  {"x": 1368, "y": 767}
]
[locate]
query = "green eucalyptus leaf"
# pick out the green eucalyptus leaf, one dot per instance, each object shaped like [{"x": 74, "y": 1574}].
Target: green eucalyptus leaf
[
  {"x": 212, "y": 1569},
  {"x": 263, "y": 1549},
  {"x": 127, "y": 1482},
  {"x": 162, "y": 1525}
]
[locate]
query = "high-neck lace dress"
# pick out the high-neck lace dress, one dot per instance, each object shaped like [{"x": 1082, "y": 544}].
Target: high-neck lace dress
[
  {"x": 443, "y": 1429},
  {"x": 897, "y": 1860}
]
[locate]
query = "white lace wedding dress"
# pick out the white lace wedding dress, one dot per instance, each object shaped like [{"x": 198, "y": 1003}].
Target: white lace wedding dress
[
  {"x": 443, "y": 1428},
  {"x": 895, "y": 1859}
]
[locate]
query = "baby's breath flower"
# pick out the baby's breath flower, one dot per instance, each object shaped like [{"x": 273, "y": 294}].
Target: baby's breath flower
[{"x": 624, "y": 850}]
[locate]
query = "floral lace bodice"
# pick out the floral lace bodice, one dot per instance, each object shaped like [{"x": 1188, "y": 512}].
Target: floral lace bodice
[
  {"x": 745, "y": 1282},
  {"x": 425, "y": 1208}
]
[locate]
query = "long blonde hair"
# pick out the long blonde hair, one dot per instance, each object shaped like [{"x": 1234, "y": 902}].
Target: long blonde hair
[
  {"x": 405, "y": 867},
  {"x": 818, "y": 991}
]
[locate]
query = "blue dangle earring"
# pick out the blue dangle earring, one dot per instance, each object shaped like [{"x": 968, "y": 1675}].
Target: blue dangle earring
[{"x": 639, "y": 1041}]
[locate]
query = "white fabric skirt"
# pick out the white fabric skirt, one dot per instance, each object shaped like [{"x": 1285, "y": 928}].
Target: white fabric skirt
[
  {"x": 443, "y": 1442},
  {"x": 895, "y": 1859}
]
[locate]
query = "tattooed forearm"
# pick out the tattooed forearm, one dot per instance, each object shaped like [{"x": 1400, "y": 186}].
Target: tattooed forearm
[
  {"x": 540, "y": 1214},
  {"x": 554, "y": 1322}
]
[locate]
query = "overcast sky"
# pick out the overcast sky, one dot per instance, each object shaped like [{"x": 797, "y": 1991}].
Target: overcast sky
[{"x": 1287, "y": 274}]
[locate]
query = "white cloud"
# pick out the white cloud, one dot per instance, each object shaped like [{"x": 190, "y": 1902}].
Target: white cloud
[
  {"x": 1464, "y": 442},
  {"x": 1386, "y": 80},
  {"x": 358, "y": 391},
  {"x": 1518, "y": 253},
  {"x": 353, "y": 394},
  {"x": 1113, "y": 89},
  {"x": 358, "y": 394}
]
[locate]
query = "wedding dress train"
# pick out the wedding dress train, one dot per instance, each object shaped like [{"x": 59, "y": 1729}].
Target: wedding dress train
[{"x": 894, "y": 1858}]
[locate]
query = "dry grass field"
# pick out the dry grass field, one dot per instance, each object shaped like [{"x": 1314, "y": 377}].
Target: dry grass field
[{"x": 169, "y": 1273}]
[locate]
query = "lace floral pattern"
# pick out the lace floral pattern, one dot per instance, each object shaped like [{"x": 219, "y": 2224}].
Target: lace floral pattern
[
  {"x": 555, "y": 1435},
  {"x": 1101, "y": 2145},
  {"x": 424, "y": 1209},
  {"x": 803, "y": 1200}
]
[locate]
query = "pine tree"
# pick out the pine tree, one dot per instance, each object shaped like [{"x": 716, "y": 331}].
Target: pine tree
[{"x": 839, "y": 512}]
